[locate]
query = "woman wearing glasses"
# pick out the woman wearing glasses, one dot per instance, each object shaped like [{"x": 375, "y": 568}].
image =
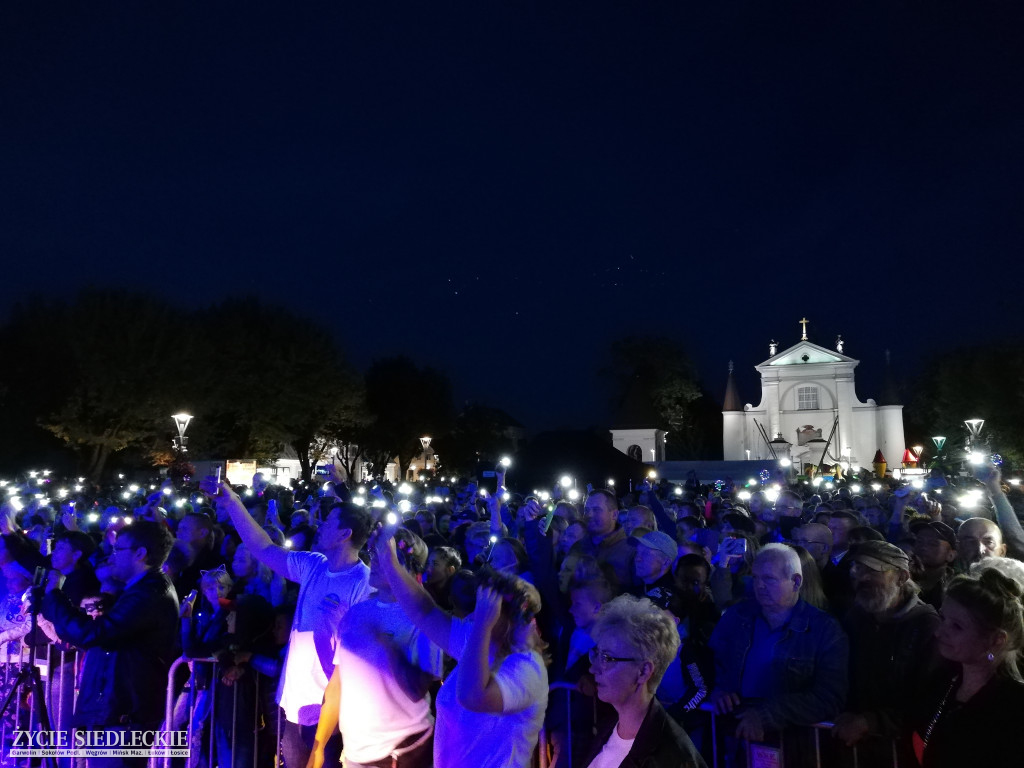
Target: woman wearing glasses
[{"x": 636, "y": 641}]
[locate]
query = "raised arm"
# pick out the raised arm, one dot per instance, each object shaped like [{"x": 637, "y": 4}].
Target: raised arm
[
  {"x": 477, "y": 690},
  {"x": 1006, "y": 518},
  {"x": 253, "y": 536},
  {"x": 414, "y": 600}
]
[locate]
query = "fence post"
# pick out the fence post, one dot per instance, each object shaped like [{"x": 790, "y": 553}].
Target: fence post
[{"x": 169, "y": 702}]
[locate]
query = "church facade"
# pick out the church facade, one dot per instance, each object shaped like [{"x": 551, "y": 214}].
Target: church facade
[{"x": 808, "y": 396}]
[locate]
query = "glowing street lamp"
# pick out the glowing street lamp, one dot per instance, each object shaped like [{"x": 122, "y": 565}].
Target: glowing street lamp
[
  {"x": 425, "y": 442},
  {"x": 974, "y": 427},
  {"x": 181, "y": 421}
]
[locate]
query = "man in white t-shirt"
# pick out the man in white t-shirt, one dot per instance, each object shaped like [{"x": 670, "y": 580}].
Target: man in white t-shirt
[
  {"x": 330, "y": 581},
  {"x": 383, "y": 669}
]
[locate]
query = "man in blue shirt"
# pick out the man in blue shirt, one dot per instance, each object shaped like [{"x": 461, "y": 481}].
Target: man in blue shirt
[{"x": 779, "y": 661}]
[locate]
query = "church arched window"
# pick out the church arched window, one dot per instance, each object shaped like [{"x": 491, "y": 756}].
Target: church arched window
[{"x": 635, "y": 452}]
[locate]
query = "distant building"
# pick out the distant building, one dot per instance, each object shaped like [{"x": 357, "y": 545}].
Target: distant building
[{"x": 806, "y": 391}]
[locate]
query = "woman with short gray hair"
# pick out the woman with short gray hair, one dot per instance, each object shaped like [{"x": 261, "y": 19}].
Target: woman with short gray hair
[{"x": 635, "y": 643}]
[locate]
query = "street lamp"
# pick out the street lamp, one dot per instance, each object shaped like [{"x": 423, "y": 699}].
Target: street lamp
[
  {"x": 425, "y": 442},
  {"x": 939, "y": 441},
  {"x": 181, "y": 421},
  {"x": 974, "y": 427}
]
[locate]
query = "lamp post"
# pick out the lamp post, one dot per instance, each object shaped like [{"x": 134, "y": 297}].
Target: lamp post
[
  {"x": 425, "y": 442},
  {"x": 181, "y": 421},
  {"x": 782, "y": 449},
  {"x": 974, "y": 427}
]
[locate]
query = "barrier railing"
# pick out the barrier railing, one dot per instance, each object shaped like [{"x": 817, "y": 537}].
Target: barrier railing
[
  {"x": 215, "y": 759},
  {"x": 543, "y": 745},
  {"x": 779, "y": 758}
]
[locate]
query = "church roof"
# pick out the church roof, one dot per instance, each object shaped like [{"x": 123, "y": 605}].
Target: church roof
[
  {"x": 806, "y": 353},
  {"x": 732, "y": 396}
]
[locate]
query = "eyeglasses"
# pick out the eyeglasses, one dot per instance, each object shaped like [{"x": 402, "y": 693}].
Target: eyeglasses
[
  {"x": 602, "y": 659},
  {"x": 92, "y": 607},
  {"x": 123, "y": 549}
]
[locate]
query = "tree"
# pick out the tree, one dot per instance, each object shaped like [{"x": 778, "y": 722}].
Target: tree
[
  {"x": 657, "y": 370},
  {"x": 118, "y": 352},
  {"x": 406, "y": 403},
  {"x": 479, "y": 433},
  {"x": 347, "y": 429},
  {"x": 279, "y": 380},
  {"x": 984, "y": 382}
]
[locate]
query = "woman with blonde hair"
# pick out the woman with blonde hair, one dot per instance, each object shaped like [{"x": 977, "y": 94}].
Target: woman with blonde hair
[
  {"x": 812, "y": 590},
  {"x": 971, "y": 710},
  {"x": 491, "y": 707}
]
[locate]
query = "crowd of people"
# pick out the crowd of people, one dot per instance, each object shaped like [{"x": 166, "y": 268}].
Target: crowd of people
[{"x": 416, "y": 626}]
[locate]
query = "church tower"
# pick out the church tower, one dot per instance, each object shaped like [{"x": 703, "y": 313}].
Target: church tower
[{"x": 733, "y": 420}]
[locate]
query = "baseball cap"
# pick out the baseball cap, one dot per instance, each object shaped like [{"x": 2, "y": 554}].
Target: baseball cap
[
  {"x": 658, "y": 541},
  {"x": 943, "y": 531},
  {"x": 880, "y": 555}
]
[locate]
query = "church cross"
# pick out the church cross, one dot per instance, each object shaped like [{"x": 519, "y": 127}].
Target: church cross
[{"x": 804, "y": 323}]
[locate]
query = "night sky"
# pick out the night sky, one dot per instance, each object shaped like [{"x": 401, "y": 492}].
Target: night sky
[{"x": 500, "y": 189}]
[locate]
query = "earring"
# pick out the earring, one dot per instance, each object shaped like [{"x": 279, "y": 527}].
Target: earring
[{"x": 991, "y": 656}]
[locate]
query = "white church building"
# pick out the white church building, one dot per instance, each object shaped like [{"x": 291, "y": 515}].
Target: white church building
[{"x": 808, "y": 395}]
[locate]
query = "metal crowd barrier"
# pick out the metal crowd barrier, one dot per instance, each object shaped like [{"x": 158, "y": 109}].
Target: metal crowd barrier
[
  {"x": 12, "y": 662},
  {"x": 171, "y": 700},
  {"x": 817, "y": 728},
  {"x": 59, "y": 674},
  {"x": 544, "y": 743}
]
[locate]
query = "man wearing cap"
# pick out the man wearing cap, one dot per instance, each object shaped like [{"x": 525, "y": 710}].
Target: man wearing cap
[
  {"x": 935, "y": 547},
  {"x": 655, "y": 554},
  {"x": 891, "y": 651}
]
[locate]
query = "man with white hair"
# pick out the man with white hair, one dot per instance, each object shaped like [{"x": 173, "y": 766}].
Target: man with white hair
[{"x": 779, "y": 661}]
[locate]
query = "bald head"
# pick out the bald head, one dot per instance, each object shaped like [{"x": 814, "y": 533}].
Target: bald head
[{"x": 979, "y": 537}]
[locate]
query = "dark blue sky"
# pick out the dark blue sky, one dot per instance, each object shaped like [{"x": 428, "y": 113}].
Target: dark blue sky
[{"x": 499, "y": 187}]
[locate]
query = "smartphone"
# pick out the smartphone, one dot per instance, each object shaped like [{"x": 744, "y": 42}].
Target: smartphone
[
  {"x": 325, "y": 470},
  {"x": 733, "y": 546}
]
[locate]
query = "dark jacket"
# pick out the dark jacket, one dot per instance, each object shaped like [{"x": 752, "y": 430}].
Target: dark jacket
[
  {"x": 984, "y": 731},
  {"x": 808, "y": 665},
  {"x": 129, "y": 650},
  {"x": 660, "y": 743},
  {"x": 889, "y": 663}
]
